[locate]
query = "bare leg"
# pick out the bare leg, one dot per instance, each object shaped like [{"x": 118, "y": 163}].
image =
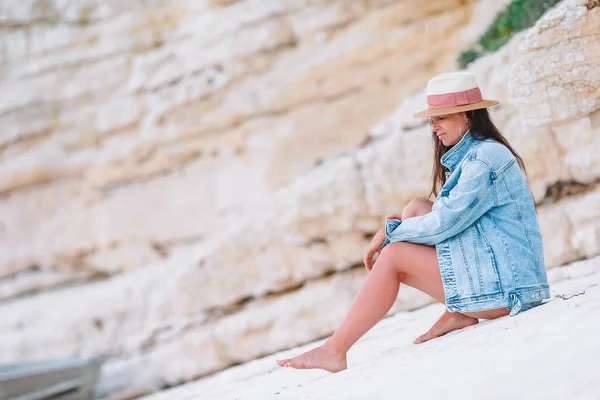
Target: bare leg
[
  {"x": 373, "y": 301},
  {"x": 400, "y": 262},
  {"x": 429, "y": 281}
]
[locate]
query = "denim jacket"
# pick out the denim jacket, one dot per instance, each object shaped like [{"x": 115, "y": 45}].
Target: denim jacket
[{"x": 485, "y": 231}]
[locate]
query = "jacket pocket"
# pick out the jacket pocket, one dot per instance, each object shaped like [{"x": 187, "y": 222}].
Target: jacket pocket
[{"x": 487, "y": 268}]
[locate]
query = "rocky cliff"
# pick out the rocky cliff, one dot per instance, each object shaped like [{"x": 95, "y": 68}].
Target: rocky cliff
[
  {"x": 189, "y": 187},
  {"x": 111, "y": 111}
]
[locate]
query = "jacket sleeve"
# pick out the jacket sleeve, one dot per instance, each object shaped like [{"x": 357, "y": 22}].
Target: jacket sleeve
[{"x": 466, "y": 203}]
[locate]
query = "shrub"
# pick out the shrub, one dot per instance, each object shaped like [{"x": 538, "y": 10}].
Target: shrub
[{"x": 517, "y": 16}]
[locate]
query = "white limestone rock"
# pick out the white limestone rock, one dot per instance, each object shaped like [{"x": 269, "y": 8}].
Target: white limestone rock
[
  {"x": 557, "y": 78},
  {"x": 211, "y": 194}
]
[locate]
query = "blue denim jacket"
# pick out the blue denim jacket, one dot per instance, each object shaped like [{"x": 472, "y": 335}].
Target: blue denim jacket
[{"x": 485, "y": 230}]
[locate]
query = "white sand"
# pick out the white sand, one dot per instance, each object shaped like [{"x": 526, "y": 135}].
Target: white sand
[{"x": 549, "y": 352}]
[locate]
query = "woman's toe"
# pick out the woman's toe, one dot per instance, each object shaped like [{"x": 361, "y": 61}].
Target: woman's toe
[{"x": 423, "y": 338}]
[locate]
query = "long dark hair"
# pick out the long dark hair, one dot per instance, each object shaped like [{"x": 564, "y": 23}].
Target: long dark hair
[{"x": 481, "y": 127}]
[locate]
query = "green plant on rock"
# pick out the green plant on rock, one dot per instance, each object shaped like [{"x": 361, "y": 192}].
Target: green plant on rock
[{"x": 517, "y": 16}]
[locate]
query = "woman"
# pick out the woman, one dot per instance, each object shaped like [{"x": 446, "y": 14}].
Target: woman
[{"x": 477, "y": 248}]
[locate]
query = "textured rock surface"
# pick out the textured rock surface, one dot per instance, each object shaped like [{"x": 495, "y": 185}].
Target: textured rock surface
[
  {"x": 219, "y": 314},
  {"x": 110, "y": 111},
  {"x": 556, "y": 77},
  {"x": 194, "y": 233},
  {"x": 385, "y": 363},
  {"x": 571, "y": 228}
]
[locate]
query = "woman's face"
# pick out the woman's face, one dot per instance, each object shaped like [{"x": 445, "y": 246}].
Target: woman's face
[{"x": 450, "y": 128}]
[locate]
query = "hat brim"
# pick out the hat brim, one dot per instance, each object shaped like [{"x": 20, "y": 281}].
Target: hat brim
[{"x": 433, "y": 112}]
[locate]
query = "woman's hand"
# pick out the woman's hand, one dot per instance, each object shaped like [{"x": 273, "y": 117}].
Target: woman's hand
[
  {"x": 375, "y": 245},
  {"x": 394, "y": 216},
  {"x": 374, "y": 248}
]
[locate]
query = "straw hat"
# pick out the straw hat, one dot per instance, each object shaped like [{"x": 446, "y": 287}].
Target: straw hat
[{"x": 453, "y": 92}]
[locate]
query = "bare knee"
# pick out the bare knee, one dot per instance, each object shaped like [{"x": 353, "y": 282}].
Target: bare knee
[
  {"x": 417, "y": 207},
  {"x": 391, "y": 259}
]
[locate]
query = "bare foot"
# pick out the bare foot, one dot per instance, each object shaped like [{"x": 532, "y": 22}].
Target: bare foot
[
  {"x": 320, "y": 357},
  {"x": 447, "y": 322}
]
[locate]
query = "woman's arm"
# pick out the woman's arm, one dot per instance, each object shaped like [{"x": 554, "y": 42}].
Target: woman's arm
[{"x": 466, "y": 202}]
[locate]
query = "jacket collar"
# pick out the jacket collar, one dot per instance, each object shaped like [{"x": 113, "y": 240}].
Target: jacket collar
[{"x": 455, "y": 155}]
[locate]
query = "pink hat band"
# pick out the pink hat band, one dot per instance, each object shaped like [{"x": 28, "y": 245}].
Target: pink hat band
[{"x": 454, "y": 99}]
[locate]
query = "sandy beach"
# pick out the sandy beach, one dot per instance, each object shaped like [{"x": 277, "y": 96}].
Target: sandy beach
[{"x": 549, "y": 352}]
